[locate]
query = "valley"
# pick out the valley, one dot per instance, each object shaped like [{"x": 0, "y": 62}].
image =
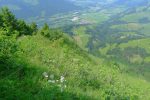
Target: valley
[
  {"x": 106, "y": 34},
  {"x": 101, "y": 48}
]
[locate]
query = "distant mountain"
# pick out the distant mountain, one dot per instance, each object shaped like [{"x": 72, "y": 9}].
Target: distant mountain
[
  {"x": 33, "y": 8},
  {"x": 130, "y": 3}
]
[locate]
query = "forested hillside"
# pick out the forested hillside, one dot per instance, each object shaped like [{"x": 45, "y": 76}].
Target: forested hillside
[
  {"x": 31, "y": 9},
  {"x": 46, "y": 64}
]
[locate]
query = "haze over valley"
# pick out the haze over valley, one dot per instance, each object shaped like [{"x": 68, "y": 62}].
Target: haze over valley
[{"x": 75, "y": 49}]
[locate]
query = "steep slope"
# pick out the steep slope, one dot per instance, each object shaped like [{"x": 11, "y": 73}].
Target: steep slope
[
  {"x": 48, "y": 65},
  {"x": 109, "y": 27},
  {"x": 85, "y": 79}
]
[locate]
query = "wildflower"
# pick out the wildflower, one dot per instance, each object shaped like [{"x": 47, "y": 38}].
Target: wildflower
[
  {"x": 62, "y": 79},
  {"x": 57, "y": 80},
  {"x": 51, "y": 81},
  {"x": 45, "y": 74}
]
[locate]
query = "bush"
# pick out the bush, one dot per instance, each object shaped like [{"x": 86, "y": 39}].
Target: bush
[
  {"x": 7, "y": 48},
  {"x": 11, "y": 25},
  {"x": 52, "y": 34}
]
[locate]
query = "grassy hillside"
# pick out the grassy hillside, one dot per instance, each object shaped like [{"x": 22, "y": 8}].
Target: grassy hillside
[
  {"x": 85, "y": 78},
  {"x": 118, "y": 33},
  {"x": 46, "y": 64}
]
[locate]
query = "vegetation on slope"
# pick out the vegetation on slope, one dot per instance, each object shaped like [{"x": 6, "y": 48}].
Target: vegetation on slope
[
  {"x": 123, "y": 37},
  {"x": 45, "y": 64}
]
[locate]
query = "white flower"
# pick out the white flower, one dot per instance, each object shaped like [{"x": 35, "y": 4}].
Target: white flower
[
  {"x": 45, "y": 74},
  {"x": 51, "y": 81},
  {"x": 62, "y": 79},
  {"x": 57, "y": 80}
]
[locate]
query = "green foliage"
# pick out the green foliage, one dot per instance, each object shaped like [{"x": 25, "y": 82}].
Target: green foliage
[
  {"x": 8, "y": 47},
  {"x": 52, "y": 34},
  {"x": 9, "y": 22},
  {"x": 24, "y": 59},
  {"x": 23, "y": 28},
  {"x": 34, "y": 27},
  {"x": 13, "y": 26}
]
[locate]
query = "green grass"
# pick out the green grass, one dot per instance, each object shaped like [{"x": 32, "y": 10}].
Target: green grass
[
  {"x": 85, "y": 77},
  {"x": 24, "y": 59},
  {"x": 81, "y": 37},
  {"x": 108, "y": 47},
  {"x": 143, "y": 43},
  {"x": 95, "y": 17},
  {"x": 129, "y": 26},
  {"x": 145, "y": 29},
  {"x": 134, "y": 17}
]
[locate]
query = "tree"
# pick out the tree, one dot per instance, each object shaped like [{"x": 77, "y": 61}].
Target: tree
[
  {"x": 45, "y": 30},
  {"x": 8, "y": 47},
  {"x": 23, "y": 28},
  {"x": 34, "y": 27},
  {"x": 45, "y": 27},
  {"x": 9, "y": 23},
  {"x": 1, "y": 21},
  {"x": 8, "y": 19},
  {"x": 52, "y": 34}
]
